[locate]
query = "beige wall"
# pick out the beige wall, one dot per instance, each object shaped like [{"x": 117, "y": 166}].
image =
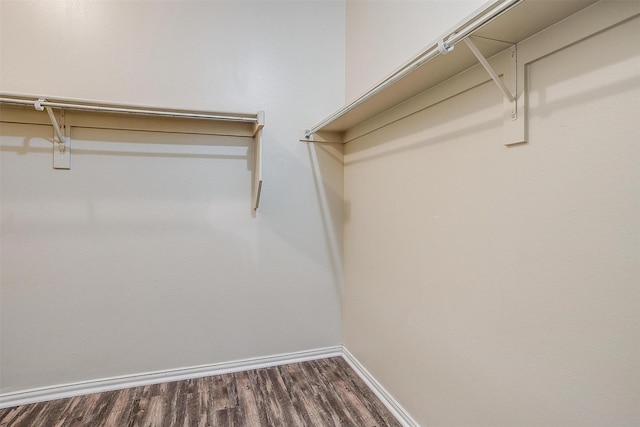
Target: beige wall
[
  {"x": 383, "y": 34},
  {"x": 484, "y": 285},
  {"x": 499, "y": 286},
  {"x": 144, "y": 256}
]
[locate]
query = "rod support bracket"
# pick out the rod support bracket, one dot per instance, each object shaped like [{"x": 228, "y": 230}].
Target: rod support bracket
[
  {"x": 513, "y": 92},
  {"x": 61, "y": 142},
  {"x": 444, "y": 47},
  {"x": 485, "y": 64}
]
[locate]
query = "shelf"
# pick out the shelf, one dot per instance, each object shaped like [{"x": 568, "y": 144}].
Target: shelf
[
  {"x": 63, "y": 114},
  {"x": 495, "y": 27}
]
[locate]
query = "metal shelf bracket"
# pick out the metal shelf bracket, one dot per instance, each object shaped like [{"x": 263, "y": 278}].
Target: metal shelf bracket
[
  {"x": 515, "y": 117},
  {"x": 61, "y": 142},
  {"x": 483, "y": 61}
]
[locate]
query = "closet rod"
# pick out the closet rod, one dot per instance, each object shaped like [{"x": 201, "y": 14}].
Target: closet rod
[
  {"x": 121, "y": 109},
  {"x": 444, "y": 45}
]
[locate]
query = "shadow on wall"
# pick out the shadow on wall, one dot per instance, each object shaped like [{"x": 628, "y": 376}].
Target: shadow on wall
[
  {"x": 541, "y": 105},
  {"x": 160, "y": 183},
  {"x": 406, "y": 133},
  {"x": 144, "y": 138},
  {"x": 147, "y": 229},
  {"x": 285, "y": 205},
  {"x": 189, "y": 179},
  {"x": 293, "y": 207},
  {"x": 473, "y": 117},
  {"x": 327, "y": 161},
  {"x": 581, "y": 66}
]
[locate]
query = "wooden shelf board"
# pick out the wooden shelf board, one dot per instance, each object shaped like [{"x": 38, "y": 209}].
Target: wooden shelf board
[{"x": 513, "y": 26}]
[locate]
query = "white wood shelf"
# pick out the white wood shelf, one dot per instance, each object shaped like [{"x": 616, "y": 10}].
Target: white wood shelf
[
  {"x": 64, "y": 114},
  {"x": 521, "y": 20}
]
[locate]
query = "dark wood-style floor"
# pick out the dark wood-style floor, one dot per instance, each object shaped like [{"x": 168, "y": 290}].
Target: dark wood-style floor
[{"x": 324, "y": 392}]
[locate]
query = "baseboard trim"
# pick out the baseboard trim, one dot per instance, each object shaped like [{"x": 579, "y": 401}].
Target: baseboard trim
[
  {"x": 117, "y": 383},
  {"x": 43, "y": 394},
  {"x": 387, "y": 399}
]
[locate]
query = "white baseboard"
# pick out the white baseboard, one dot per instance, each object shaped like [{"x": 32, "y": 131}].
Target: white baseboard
[
  {"x": 117, "y": 383},
  {"x": 387, "y": 399},
  {"x": 137, "y": 380}
]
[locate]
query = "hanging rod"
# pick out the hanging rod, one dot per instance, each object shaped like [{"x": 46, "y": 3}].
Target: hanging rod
[
  {"x": 445, "y": 44},
  {"x": 38, "y": 103}
]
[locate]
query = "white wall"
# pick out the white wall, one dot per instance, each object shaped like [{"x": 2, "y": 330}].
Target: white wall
[
  {"x": 384, "y": 34},
  {"x": 144, "y": 256},
  {"x": 496, "y": 286}
]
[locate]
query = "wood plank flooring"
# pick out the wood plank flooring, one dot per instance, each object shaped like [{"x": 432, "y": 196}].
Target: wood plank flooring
[{"x": 324, "y": 392}]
